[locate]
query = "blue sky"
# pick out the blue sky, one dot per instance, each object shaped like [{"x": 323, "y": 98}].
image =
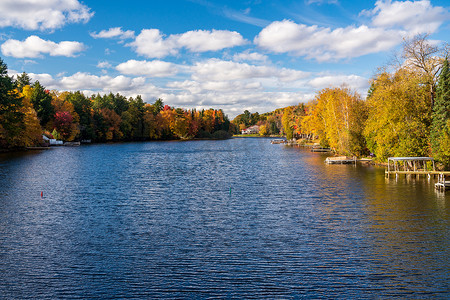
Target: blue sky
[{"x": 235, "y": 55}]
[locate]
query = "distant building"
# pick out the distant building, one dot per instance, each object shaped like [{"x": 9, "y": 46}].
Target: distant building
[
  {"x": 251, "y": 130},
  {"x": 52, "y": 142}
]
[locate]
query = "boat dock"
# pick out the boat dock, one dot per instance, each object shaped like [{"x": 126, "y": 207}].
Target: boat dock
[
  {"x": 320, "y": 149},
  {"x": 278, "y": 141},
  {"x": 411, "y": 166},
  {"x": 340, "y": 160}
]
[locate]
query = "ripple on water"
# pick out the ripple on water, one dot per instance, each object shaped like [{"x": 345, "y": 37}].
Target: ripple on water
[{"x": 239, "y": 218}]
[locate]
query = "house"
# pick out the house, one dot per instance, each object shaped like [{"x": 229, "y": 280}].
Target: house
[
  {"x": 52, "y": 142},
  {"x": 251, "y": 130}
]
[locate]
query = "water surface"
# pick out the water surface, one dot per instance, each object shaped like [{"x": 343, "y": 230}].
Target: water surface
[{"x": 239, "y": 218}]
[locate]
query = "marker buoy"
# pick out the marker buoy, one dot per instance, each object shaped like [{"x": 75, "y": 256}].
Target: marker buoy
[{"x": 42, "y": 194}]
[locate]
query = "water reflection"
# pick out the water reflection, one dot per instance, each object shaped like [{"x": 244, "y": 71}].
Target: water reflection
[{"x": 238, "y": 218}]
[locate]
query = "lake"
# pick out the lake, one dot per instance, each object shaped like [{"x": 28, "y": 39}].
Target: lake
[{"x": 237, "y": 218}]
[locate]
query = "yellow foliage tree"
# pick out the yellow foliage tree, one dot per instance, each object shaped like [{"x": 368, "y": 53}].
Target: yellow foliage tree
[{"x": 399, "y": 115}]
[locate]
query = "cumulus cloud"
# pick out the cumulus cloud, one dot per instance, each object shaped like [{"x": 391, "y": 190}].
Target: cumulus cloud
[
  {"x": 81, "y": 80},
  {"x": 42, "y": 14},
  {"x": 104, "y": 65},
  {"x": 152, "y": 43},
  {"x": 115, "y": 32},
  {"x": 413, "y": 16},
  {"x": 356, "y": 82},
  {"x": 325, "y": 44},
  {"x": 220, "y": 70},
  {"x": 250, "y": 56},
  {"x": 196, "y": 87},
  {"x": 34, "y": 46},
  {"x": 155, "y": 68},
  {"x": 205, "y": 40},
  {"x": 390, "y": 22}
]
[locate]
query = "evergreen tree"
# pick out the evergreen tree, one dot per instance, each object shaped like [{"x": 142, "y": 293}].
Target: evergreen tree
[
  {"x": 11, "y": 115},
  {"x": 42, "y": 103},
  {"x": 22, "y": 80},
  {"x": 441, "y": 114}
]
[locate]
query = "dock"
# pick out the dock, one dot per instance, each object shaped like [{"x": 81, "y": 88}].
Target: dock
[
  {"x": 278, "y": 141},
  {"x": 340, "y": 160},
  {"x": 319, "y": 149},
  {"x": 416, "y": 166},
  {"x": 442, "y": 184}
]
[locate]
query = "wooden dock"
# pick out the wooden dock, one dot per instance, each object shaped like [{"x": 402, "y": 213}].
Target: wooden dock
[
  {"x": 278, "y": 141},
  {"x": 320, "y": 150},
  {"x": 434, "y": 173},
  {"x": 442, "y": 184},
  {"x": 340, "y": 160}
]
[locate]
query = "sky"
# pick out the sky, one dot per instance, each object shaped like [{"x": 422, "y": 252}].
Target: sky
[{"x": 255, "y": 55}]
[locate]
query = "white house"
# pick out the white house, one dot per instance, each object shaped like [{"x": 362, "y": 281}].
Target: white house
[{"x": 251, "y": 130}]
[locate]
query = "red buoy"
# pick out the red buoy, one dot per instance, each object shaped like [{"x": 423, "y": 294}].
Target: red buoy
[{"x": 42, "y": 194}]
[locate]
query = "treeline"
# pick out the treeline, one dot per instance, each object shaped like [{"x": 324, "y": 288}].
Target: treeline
[
  {"x": 27, "y": 110},
  {"x": 406, "y": 112},
  {"x": 269, "y": 123}
]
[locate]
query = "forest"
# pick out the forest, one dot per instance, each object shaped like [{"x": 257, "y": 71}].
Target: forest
[
  {"x": 28, "y": 110},
  {"x": 406, "y": 111}
]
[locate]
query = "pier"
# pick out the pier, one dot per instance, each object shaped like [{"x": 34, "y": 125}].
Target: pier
[
  {"x": 340, "y": 160},
  {"x": 416, "y": 166},
  {"x": 411, "y": 166}
]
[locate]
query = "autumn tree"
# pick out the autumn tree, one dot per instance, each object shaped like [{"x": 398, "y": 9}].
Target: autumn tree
[
  {"x": 82, "y": 106},
  {"x": 338, "y": 118},
  {"x": 112, "y": 121},
  {"x": 288, "y": 125},
  {"x": 32, "y": 133},
  {"x": 398, "y": 115}
]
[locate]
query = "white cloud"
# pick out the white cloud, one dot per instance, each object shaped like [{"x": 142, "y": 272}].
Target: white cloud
[
  {"x": 250, "y": 56},
  {"x": 413, "y": 16},
  {"x": 220, "y": 70},
  {"x": 104, "y": 65},
  {"x": 42, "y": 14},
  {"x": 196, "y": 87},
  {"x": 34, "y": 46},
  {"x": 325, "y": 44},
  {"x": 355, "y": 82},
  {"x": 155, "y": 68},
  {"x": 152, "y": 43},
  {"x": 115, "y": 32},
  {"x": 81, "y": 80},
  {"x": 205, "y": 40}
]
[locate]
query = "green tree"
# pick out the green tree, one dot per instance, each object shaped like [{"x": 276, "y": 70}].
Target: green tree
[
  {"x": 22, "y": 80},
  {"x": 42, "y": 103},
  {"x": 441, "y": 116},
  {"x": 11, "y": 113},
  {"x": 158, "y": 106}
]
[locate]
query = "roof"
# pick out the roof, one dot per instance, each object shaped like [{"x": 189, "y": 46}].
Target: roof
[{"x": 410, "y": 158}]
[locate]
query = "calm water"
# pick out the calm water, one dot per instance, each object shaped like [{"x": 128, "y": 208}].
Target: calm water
[{"x": 239, "y": 218}]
